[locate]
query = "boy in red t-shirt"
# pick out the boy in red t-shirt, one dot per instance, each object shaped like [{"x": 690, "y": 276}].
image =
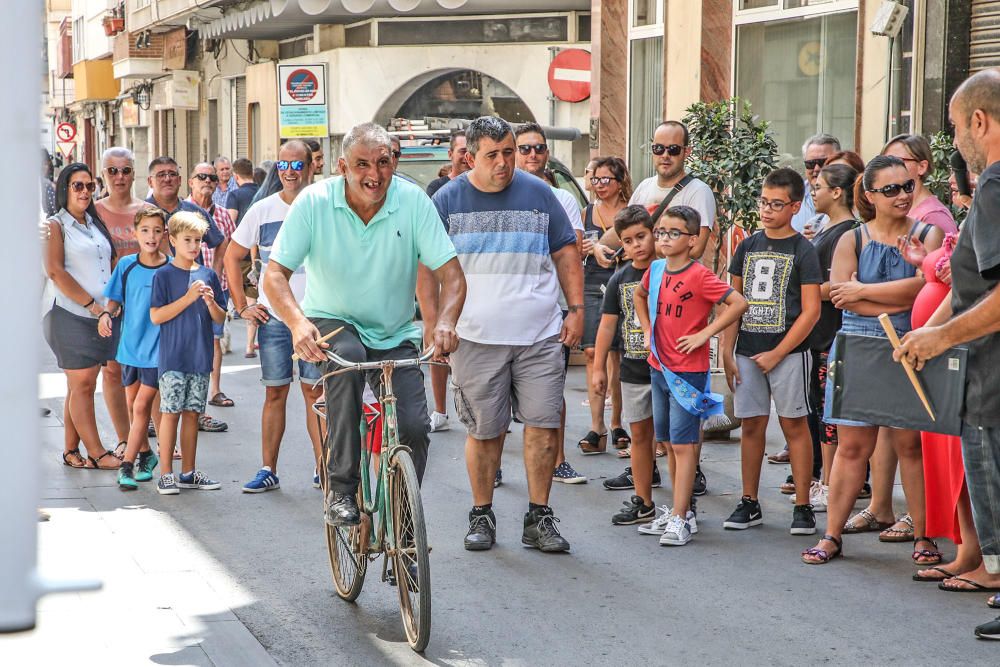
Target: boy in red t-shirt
[{"x": 680, "y": 330}]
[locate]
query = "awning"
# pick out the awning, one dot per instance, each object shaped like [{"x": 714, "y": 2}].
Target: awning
[{"x": 281, "y": 19}]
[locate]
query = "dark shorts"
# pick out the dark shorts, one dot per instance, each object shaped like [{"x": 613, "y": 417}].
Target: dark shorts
[
  {"x": 593, "y": 303},
  {"x": 148, "y": 377},
  {"x": 75, "y": 342}
]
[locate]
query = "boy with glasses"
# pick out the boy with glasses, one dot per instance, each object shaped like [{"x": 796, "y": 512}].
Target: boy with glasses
[{"x": 778, "y": 272}]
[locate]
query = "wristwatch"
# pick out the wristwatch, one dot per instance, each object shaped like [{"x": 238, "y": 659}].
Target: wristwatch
[{"x": 575, "y": 307}]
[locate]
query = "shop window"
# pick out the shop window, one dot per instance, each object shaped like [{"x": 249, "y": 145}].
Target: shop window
[
  {"x": 644, "y": 12},
  {"x": 474, "y": 31},
  {"x": 799, "y": 74},
  {"x": 645, "y": 102}
]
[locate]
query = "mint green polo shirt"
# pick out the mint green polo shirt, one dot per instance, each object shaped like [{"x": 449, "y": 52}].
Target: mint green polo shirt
[{"x": 365, "y": 275}]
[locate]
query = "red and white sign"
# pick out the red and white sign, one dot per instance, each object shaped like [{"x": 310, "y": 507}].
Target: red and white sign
[
  {"x": 569, "y": 75},
  {"x": 65, "y": 132},
  {"x": 66, "y": 148}
]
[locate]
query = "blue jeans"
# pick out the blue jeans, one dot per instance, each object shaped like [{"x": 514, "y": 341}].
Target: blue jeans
[
  {"x": 671, "y": 421},
  {"x": 276, "y": 366},
  {"x": 981, "y": 452}
]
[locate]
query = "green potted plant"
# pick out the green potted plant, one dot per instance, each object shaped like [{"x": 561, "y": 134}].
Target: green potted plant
[
  {"x": 732, "y": 151},
  {"x": 942, "y": 146}
]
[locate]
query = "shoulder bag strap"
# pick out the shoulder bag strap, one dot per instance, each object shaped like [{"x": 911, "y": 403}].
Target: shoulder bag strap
[{"x": 670, "y": 196}]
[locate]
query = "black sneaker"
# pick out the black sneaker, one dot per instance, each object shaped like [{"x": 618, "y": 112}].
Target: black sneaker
[
  {"x": 342, "y": 509},
  {"x": 803, "y": 520},
  {"x": 540, "y": 531},
  {"x": 635, "y": 511},
  {"x": 746, "y": 514},
  {"x": 700, "y": 482},
  {"x": 498, "y": 478},
  {"x": 624, "y": 481},
  {"x": 989, "y": 630},
  {"x": 482, "y": 533}
]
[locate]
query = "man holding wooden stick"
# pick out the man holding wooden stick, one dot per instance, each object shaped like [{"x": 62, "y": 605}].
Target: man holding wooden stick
[{"x": 973, "y": 317}]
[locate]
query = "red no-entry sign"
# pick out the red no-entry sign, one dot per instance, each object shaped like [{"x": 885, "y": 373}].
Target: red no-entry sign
[{"x": 569, "y": 75}]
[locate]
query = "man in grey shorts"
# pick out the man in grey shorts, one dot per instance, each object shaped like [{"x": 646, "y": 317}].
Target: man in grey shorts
[{"x": 517, "y": 249}]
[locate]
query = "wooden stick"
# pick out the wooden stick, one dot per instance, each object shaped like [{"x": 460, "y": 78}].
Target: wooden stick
[
  {"x": 295, "y": 357},
  {"x": 890, "y": 331}
]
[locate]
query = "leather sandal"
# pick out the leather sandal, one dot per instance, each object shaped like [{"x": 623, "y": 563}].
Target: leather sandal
[
  {"x": 823, "y": 555},
  {"x": 95, "y": 464},
  {"x": 904, "y": 533},
  {"x": 620, "y": 438},
  {"x": 74, "y": 452},
  {"x": 869, "y": 524},
  {"x": 592, "y": 443},
  {"x": 933, "y": 554}
]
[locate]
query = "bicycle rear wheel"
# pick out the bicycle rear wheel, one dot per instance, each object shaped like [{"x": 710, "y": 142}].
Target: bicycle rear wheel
[
  {"x": 348, "y": 546},
  {"x": 410, "y": 563}
]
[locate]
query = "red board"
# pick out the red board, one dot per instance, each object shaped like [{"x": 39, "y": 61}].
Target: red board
[{"x": 569, "y": 75}]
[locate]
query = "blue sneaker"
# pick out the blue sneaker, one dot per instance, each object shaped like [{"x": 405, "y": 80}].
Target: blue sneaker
[
  {"x": 316, "y": 484},
  {"x": 264, "y": 481},
  {"x": 197, "y": 480},
  {"x": 146, "y": 465}
]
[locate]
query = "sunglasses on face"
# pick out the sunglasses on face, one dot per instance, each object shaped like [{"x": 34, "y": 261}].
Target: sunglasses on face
[
  {"x": 294, "y": 165},
  {"x": 526, "y": 149},
  {"x": 775, "y": 205},
  {"x": 80, "y": 186},
  {"x": 813, "y": 164},
  {"x": 207, "y": 177},
  {"x": 124, "y": 171},
  {"x": 894, "y": 189},
  {"x": 672, "y": 150},
  {"x": 603, "y": 180},
  {"x": 672, "y": 234},
  {"x": 396, "y": 154},
  {"x": 164, "y": 175}
]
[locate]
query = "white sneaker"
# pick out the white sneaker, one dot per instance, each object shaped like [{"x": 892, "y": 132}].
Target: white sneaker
[
  {"x": 439, "y": 422},
  {"x": 818, "y": 496},
  {"x": 677, "y": 532},
  {"x": 659, "y": 524}
]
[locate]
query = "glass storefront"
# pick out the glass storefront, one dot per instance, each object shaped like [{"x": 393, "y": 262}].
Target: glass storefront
[
  {"x": 799, "y": 74},
  {"x": 645, "y": 102}
]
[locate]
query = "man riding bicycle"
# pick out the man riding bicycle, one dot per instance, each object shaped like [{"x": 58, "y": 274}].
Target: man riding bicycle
[{"x": 361, "y": 236}]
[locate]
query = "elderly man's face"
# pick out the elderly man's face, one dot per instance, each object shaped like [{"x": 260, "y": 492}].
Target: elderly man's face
[
  {"x": 966, "y": 140},
  {"x": 224, "y": 169},
  {"x": 119, "y": 174},
  {"x": 816, "y": 155},
  {"x": 201, "y": 182},
  {"x": 165, "y": 181},
  {"x": 367, "y": 170}
]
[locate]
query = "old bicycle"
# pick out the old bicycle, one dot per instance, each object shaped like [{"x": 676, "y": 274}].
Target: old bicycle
[{"x": 392, "y": 515}]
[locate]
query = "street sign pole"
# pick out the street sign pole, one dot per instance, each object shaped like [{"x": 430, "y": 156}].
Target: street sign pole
[{"x": 20, "y": 583}]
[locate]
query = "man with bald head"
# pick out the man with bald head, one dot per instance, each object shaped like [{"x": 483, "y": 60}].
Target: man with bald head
[{"x": 972, "y": 318}]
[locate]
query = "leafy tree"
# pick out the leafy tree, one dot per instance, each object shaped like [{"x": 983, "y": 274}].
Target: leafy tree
[{"x": 937, "y": 180}]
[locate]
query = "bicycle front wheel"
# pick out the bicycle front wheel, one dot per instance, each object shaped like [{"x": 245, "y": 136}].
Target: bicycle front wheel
[
  {"x": 348, "y": 555},
  {"x": 410, "y": 563}
]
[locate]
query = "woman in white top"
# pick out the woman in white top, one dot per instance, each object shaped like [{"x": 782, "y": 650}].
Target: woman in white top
[{"x": 79, "y": 258}]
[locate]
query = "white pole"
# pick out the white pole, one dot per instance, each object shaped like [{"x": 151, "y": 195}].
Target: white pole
[{"x": 20, "y": 135}]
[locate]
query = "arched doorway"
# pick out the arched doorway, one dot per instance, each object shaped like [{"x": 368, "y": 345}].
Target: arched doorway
[{"x": 454, "y": 93}]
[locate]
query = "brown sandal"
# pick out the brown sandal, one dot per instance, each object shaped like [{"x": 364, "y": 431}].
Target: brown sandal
[
  {"x": 95, "y": 464},
  {"x": 74, "y": 452}
]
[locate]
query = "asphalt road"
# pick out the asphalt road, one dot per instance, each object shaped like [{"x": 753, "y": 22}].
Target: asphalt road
[{"x": 618, "y": 598}]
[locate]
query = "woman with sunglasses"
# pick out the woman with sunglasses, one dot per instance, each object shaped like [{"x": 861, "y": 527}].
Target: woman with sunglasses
[
  {"x": 869, "y": 277},
  {"x": 612, "y": 188},
  {"x": 79, "y": 258},
  {"x": 915, "y": 152}
]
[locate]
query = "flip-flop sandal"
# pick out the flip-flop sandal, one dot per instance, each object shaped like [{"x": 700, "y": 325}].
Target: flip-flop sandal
[
  {"x": 120, "y": 449},
  {"x": 781, "y": 457},
  {"x": 74, "y": 452},
  {"x": 592, "y": 443},
  {"x": 250, "y": 355},
  {"x": 625, "y": 453},
  {"x": 932, "y": 554},
  {"x": 870, "y": 525},
  {"x": 946, "y": 573},
  {"x": 620, "y": 438},
  {"x": 823, "y": 555},
  {"x": 222, "y": 401},
  {"x": 974, "y": 587},
  {"x": 95, "y": 464},
  {"x": 904, "y": 534}
]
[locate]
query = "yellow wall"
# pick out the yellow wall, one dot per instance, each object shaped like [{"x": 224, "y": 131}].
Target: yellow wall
[
  {"x": 873, "y": 84},
  {"x": 682, "y": 57},
  {"x": 262, "y": 89},
  {"x": 94, "y": 80}
]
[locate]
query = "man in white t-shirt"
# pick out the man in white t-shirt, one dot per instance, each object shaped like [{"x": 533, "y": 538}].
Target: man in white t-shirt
[
  {"x": 670, "y": 149},
  {"x": 259, "y": 228}
]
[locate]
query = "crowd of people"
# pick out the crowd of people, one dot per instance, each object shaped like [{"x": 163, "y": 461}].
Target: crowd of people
[{"x": 510, "y": 275}]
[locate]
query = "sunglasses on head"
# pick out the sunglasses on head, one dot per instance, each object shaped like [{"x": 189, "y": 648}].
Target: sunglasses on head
[
  {"x": 124, "y": 171},
  {"x": 603, "y": 180},
  {"x": 526, "y": 149},
  {"x": 207, "y": 177},
  {"x": 80, "y": 186},
  {"x": 813, "y": 164},
  {"x": 894, "y": 189},
  {"x": 294, "y": 165},
  {"x": 673, "y": 149}
]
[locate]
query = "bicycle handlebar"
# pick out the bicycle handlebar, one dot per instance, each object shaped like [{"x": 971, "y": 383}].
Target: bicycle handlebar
[{"x": 371, "y": 365}]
